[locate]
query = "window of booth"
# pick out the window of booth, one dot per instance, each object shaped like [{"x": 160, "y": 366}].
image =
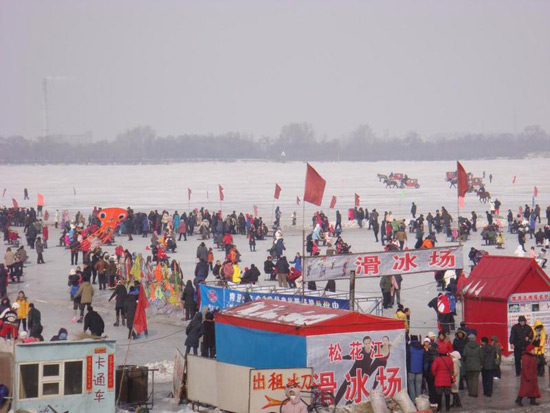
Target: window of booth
[{"x": 50, "y": 379}]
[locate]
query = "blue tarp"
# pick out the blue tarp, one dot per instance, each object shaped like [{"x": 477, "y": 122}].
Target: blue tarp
[
  {"x": 221, "y": 298},
  {"x": 259, "y": 349}
]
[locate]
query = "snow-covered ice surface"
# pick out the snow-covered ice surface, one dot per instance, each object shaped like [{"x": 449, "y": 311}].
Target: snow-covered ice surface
[{"x": 146, "y": 187}]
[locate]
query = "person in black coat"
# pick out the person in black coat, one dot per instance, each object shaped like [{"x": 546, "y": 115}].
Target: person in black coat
[
  {"x": 251, "y": 276},
  {"x": 521, "y": 336},
  {"x": 61, "y": 335},
  {"x": 209, "y": 336},
  {"x": 188, "y": 298},
  {"x": 269, "y": 268},
  {"x": 130, "y": 303},
  {"x": 3, "y": 280},
  {"x": 34, "y": 320},
  {"x": 94, "y": 322},
  {"x": 194, "y": 332},
  {"x": 460, "y": 341},
  {"x": 120, "y": 293},
  {"x": 201, "y": 272}
]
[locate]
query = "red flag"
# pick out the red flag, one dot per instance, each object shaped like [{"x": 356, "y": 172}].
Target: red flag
[
  {"x": 297, "y": 200},
  {"x": 220, "y": 188},
  {"x": 357, "y": 200},
  {"x": 140, "y": 319},
  {"x": 255, "y": 210},
  {"x": 46, "y": 215},
  {"x": 514, "y": 180},
  {"x": 40, "y": 200},
  {"x": 536, "y": 191},
  {"x": 462, "y": 187},
  {"x": 189, "y": 194},
  {"x": 315, "y": 187},
  {"x": 277, "y": 191},
  {"x": 15, "y": 204},
  {"x": 333, "y": 202}
]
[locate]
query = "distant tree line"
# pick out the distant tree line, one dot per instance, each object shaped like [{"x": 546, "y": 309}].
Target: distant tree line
[{"x": 296, "y": 140}]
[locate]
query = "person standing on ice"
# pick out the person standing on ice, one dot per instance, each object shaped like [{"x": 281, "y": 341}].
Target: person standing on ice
[
  {"x": 119, "y": 294},
  {"x": 85, "y": 293},
  {"x": 413, "y": 210},
  {"x": 94, "y": 322}
]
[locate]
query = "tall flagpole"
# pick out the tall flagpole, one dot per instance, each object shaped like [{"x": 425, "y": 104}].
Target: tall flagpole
[{"x": 304, "y": 241}]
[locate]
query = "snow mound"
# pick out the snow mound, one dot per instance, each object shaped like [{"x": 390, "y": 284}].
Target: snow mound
[{"x": 165, "y": 371}]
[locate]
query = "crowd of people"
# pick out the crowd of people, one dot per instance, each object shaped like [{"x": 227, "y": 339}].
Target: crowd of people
[{"x": 436, "y": 365}]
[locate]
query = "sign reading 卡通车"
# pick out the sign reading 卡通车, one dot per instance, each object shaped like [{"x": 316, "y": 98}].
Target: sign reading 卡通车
[{"x": 371, "y": 264}]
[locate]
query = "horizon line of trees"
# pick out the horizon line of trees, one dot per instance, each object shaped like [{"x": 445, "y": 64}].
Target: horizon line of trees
[{"x": 297, "y": 141}]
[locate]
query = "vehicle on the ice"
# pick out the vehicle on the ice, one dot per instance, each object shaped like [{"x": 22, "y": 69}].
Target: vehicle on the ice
[{"x": 410, "y": 183}]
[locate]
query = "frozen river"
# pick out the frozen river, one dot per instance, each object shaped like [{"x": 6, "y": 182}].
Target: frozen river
[{"x": 249, "y": 183}]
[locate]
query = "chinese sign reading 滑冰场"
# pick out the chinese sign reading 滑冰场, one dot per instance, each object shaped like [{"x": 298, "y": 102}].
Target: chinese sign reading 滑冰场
[{"x": 383, "y": 263}]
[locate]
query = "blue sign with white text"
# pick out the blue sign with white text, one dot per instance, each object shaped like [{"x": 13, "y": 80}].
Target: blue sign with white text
[{"x": 220, "y": 298}]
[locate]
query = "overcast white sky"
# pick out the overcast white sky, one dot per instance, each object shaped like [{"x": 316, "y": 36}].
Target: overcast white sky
[{"x": 252, "y": 66}]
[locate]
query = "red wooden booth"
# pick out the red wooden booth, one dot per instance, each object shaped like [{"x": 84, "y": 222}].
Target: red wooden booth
[{"x": 500, "y": 289}]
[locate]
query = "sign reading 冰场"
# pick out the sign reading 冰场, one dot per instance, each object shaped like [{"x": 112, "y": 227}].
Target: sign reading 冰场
[
  {"x": 351, "y": 365},
  {"x": 383, "y": 263}
]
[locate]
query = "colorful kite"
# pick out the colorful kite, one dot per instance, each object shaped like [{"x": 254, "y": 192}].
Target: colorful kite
[{"x": 109, "y": 218}]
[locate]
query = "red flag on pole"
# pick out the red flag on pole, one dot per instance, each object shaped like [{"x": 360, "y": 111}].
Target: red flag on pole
[
  {"x": 297, "y": 200},
  {"x": 333, "y": 202},
  {"x": 277, "y": 191},
  {"x": 189, "y": 194},
  {"x": 357, "y": 200},
  {"x": 536, "y": 192},
  {"x": 315, "y": 187},
  {"x": 46, "y": 215},
  {"x": 514, "y": 180},
  {"x": 462, "y": 187},
  {"x": 40, "y": 200},
  {"x": 220, "y": 188},
  {"x": 15, "y": 204},
  {"x": 255, "y": 210}
]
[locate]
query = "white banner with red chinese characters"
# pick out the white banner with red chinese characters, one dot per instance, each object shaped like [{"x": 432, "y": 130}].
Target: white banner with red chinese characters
[
  {"x": 100, "y": 377},
  {"x": 335, "y": 267},
  {"x": 267, "y": 387},
  {"x": 351, "y": 365},
  {"x": 533, "y": 306}
]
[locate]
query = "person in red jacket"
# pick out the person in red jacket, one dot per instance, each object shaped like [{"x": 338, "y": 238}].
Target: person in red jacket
[
  {"x": 442, "y": 370},
  {"x": 529, "y": 385},
  {"x": 443, "y": 341}
]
